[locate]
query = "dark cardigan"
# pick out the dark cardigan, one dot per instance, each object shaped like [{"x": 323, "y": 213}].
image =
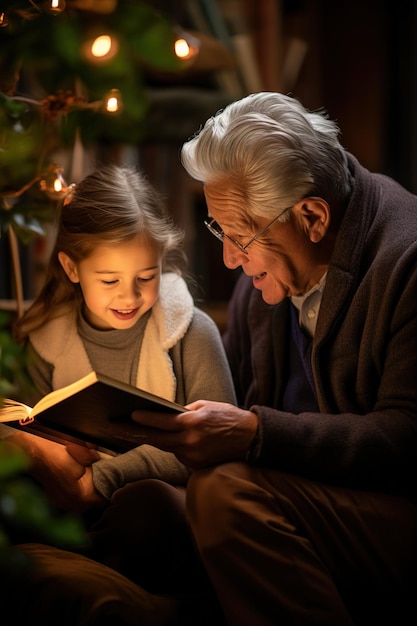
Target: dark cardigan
[{"x": 364, "y": 356}]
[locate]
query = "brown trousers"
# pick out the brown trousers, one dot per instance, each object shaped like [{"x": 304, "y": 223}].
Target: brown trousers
[
  {"x": 139, "y": 569},
  {"x": 281, "y": 550},
  {"x": 144, "y": 535},
  {"x": 71, "y": 590}
]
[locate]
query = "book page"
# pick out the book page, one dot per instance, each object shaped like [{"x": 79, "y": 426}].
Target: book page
[
  {"x": 93, "y": 410},
  {"x": 12, "y": 411},
  {"x": 64, "y": 392}
]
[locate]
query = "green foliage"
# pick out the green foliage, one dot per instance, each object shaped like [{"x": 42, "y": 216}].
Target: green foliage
[
  {"x": 21, "y": 142},
  {"x": 13, "y": 374},
  {"x": 51, "y": 50},
  {"x": 43, "y": 60},
  {"x": 24, "y": 507},
  {"x": 42, "y": 55}
]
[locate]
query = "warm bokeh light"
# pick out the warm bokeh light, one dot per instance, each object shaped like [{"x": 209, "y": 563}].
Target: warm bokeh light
[
  {"x": 182, "y": 49},
  {"x": 58, "y": 186},
  {"x": 101, "y": 46},
  {"x": 53, "y": 183},
  {"x": 186, "y": 46},
  {"x": 113, "y": 101},
  {"x": 54, "y": 6}
]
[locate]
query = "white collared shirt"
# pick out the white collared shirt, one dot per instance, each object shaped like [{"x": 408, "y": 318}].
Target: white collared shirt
[{"x": 308, "y": 306}]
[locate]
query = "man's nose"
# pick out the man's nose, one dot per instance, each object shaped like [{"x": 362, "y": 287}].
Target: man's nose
[{"x": 232, "y": 256}]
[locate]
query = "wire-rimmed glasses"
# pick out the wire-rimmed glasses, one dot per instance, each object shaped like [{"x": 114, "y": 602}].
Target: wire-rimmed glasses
[{"x": 217, "y": 231}]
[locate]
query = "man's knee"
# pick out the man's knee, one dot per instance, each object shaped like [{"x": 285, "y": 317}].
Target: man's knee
[
  {"x": 209, "y": 488},
  {"x": 217, "y": 499},
  {"x": 235, "y": 498}
]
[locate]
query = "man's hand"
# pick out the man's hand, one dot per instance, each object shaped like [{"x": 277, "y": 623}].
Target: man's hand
[{"x": 209, "y": 433}]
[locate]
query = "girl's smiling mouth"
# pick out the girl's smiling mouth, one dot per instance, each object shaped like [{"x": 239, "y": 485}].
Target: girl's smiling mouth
[{"x": 124, "y": 314}]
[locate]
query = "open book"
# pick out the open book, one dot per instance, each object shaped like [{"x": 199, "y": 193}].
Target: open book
[{"x": 94, "y": 410}]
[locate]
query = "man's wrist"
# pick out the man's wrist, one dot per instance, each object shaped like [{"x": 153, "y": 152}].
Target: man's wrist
[{"x": 253, "y": 450}]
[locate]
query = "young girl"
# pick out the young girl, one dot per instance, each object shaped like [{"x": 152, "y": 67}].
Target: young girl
[{"x": 114, "y": 301}]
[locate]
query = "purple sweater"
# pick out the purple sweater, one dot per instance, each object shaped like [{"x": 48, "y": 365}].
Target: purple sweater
[{"x": 364, "y": 355}]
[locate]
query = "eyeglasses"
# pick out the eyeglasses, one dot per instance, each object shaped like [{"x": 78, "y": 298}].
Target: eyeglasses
[{"x": 217, "y": 231}]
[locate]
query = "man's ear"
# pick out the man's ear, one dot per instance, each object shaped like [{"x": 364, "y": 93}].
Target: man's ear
[
  {"x": 316, "y": 216},
  {"x": 69, "y": 267}
]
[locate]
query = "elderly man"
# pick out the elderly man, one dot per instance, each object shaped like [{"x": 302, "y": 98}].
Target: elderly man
[{"x": 303, "y": 502}]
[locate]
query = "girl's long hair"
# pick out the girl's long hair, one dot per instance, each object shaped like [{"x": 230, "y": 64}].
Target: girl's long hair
[{"x": 110, "y": 206}]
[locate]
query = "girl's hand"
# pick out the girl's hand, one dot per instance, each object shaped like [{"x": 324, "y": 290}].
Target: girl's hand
[
  {"x": 83, "y": 454},
  {"x": 63, "y": 476}
]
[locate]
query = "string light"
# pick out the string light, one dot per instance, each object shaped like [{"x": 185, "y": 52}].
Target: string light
[
  {"x": 186, "y": 46},
  {"x": 101, "y": 48},
  {"x": 54, "y": 6},
  {"x": 182, "y": 49},
  {"x": 53, "y": 183},
  {"x": 98, "y": 48},
  {"x": 113, "y": 101},
  {"x": 50, "y": 182}
]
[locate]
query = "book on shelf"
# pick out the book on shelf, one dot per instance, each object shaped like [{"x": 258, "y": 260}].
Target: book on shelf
[
  {"x": 241, "y": 35},
  {"x": 207, "y": 19},
  {"x": 94, "y": 410}
]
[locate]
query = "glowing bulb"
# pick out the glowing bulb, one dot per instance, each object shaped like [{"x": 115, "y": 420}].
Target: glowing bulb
[
  {"x": 101, "y": 46},
  {"x": 186, "y": 46},
  {"x": 182, "y": 49},
  {"x": 55, "y": 6},
  {"x": 113, "y": 101},
  {"x": 53, "y": 183},
  {"x": 3, "y": 20},
  {"x": 112, "y": 105}
]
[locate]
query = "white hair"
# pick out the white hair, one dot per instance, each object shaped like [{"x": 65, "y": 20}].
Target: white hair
[{"x": 273, "y": 149}]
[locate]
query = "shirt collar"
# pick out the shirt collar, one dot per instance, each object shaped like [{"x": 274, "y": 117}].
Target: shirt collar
[{"x": 308, "y": 306}]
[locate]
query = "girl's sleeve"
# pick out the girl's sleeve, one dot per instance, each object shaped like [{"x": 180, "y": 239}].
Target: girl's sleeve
[
  {"x": 138, "y": 464},
  {"x": 205, "y": 369},
  {"x": 40, "y": 373}
]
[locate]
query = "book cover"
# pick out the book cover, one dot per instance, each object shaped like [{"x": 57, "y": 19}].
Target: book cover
[{"x": 94, "y": 410}]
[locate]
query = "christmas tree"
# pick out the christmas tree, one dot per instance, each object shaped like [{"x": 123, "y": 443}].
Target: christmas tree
[{"x": 71, "y": 72}]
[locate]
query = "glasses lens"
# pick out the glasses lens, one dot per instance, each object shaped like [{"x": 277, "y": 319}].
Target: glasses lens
[{"x": 215, "y": 229}]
